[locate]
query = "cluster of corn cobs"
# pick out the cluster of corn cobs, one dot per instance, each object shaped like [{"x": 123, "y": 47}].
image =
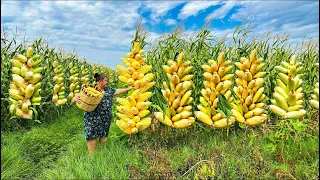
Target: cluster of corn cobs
[
  {"x": 315, "y": 97},
  {"x": 58, "y": 97},
  {"x": 287, "y": 102},
  {"x": 217, "y": 81},
  {"x": 178, "y": 112},
  {"x": 25, "y": 89},
  {"x": 85, "y": 74},
  {"x": 250, "y": 109},
  {"x": 74, "y": 80},
  {"x": 133, "y": 110}
]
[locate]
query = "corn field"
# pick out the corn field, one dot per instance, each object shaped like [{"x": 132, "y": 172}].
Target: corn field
[
  {"x": 57, "y": 86},
  {"x": 272, "y": 51},
  {"x": 225, "y": 90},
  {"x": 53, "y": 80}
]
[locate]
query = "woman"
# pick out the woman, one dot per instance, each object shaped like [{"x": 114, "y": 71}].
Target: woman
[{"x": 97, "y": 123}]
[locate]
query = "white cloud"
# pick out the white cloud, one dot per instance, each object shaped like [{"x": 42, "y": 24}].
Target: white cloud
[
  {"x": 160, "y": 8},
  {"x": 94, "y": 25},
  {"x": 296, "y": 18},
  {"x": 194, "y": 7},
  {"x": 9, "y": 8},
  {"x": 223, "y": 11},
  {"x": 170, "y": 22}
]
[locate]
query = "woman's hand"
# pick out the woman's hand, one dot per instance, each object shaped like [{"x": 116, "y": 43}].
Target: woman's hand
[
  {"x": 124, "y": 90},
  {"x": 77, "y": 98},
  {"x": 129, "y": 88}
]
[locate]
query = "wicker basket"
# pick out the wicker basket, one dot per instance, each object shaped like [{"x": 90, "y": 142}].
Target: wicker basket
[{"x": 88, "y": 103}]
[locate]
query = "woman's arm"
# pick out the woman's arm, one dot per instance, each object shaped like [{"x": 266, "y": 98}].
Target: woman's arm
[{"x": 120, "y": 91}]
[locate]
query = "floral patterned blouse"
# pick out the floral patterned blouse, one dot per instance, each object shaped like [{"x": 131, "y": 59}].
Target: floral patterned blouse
[{"x": 97, "y": 123}]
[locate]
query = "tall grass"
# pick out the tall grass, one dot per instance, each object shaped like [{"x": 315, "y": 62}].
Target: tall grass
[{"x": 58, "y": 150}]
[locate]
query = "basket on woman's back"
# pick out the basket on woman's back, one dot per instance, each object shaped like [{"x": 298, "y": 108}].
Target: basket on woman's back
[{"x": 90, "y": 97}]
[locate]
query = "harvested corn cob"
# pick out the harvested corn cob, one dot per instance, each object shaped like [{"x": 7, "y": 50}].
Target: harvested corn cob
[
  {"x": 178, "y": 112},
  {"x": 287, "y": 102},
  {"x": 217, "y": 80},
  {"x": 133, "y": 110},
  {"x": 58, "y": 97},
  {"x": 249, "y": 89},
  {"x": 25, "y": 89}
]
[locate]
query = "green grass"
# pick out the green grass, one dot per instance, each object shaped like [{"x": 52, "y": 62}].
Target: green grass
[{"x": 59, "y": 151}]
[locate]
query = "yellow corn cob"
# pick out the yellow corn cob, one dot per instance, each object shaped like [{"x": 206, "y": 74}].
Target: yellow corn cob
[
  {"x": 29, "y": 91},
  {"x": 144, "y": 69},
  {"x": 208, "y": 76},
  {"x": 259, "y": 75},
  {"x": 22, "y": 58},
  {"x": 207, "y": 68},
  {"x": 122, "y": 70},
  {"x": 283, "y": 77},
  {"x": 144, "y": 96},
  {"x": 185, "y": 98},
  {"x": 187, "y": 70},
  {"x": 240, "y": 74},
  {"x": 222, "y": 123},
  {"x": 216, "y": 117},
  {"x": 295, "y": 108},
  {"x": 186, "y": 85},
  {"x": 257, "y": 95},
  {"x": 296, "y": 114},
  {"x": 180, "y": 57},
  {"x": 145, "y": 123},
  {"x": 237, "y": 115},
  {"x": 202, "y": 109},
  {"x": 255, "y": 120},
  {"x": 146, "y": 87},
  {"x": 15, "y": 94},
  {"x": 278, "y": 111},
  {"x": 176, "y": 117},
  {"x": 227, "y": 77},
  {"x": 257, "y": 111},
  {"x": 143, "y": 113},
  {"x": 124, "y": 102},
  {"x": 179, "y": 109},
  {"x": 280, "y": 101},
  {"x": 216, "y": 78},
  {"x": 281, "y": 69},
  {"x": 166, "y": 120},
  {"x": 281, "y": 91},
  {"x": 123, "y": 79},
  {"x": 185, "y": 114},
  {"x": 214, "y": 66},
  {"x": 187, "y": 108},
  {"x": 314, "y": 103},
  {"x": 187, "y": 78},
  {"x": 182, "y": 123},
  {"x": 19, "y": 81},
  {"x": 203, "y": 117}
]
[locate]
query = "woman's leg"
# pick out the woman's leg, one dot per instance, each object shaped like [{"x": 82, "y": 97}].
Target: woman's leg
[
  {"x": 92, "y": 143},
  {"x": 103, "y": 141}
]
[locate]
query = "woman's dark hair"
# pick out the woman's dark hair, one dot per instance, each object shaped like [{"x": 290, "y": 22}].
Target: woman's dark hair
[{"x": 98, "y": 77}]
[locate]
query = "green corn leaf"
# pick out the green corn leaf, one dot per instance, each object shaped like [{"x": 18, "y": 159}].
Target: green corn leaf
[{"x": 224, "y": 106}]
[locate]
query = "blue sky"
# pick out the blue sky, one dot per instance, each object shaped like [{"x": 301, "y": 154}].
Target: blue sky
[{"x": 101, "y": 31}]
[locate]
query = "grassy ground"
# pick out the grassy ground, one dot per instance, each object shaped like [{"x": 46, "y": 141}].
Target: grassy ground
[{"x": 58, "y": 151}]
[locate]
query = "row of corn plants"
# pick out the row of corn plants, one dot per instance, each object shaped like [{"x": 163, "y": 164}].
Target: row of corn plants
[
  {"x": 217, "y": 97},
  {"x": 40, "y": 81},
  {"x": 172, "y": 78}
]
